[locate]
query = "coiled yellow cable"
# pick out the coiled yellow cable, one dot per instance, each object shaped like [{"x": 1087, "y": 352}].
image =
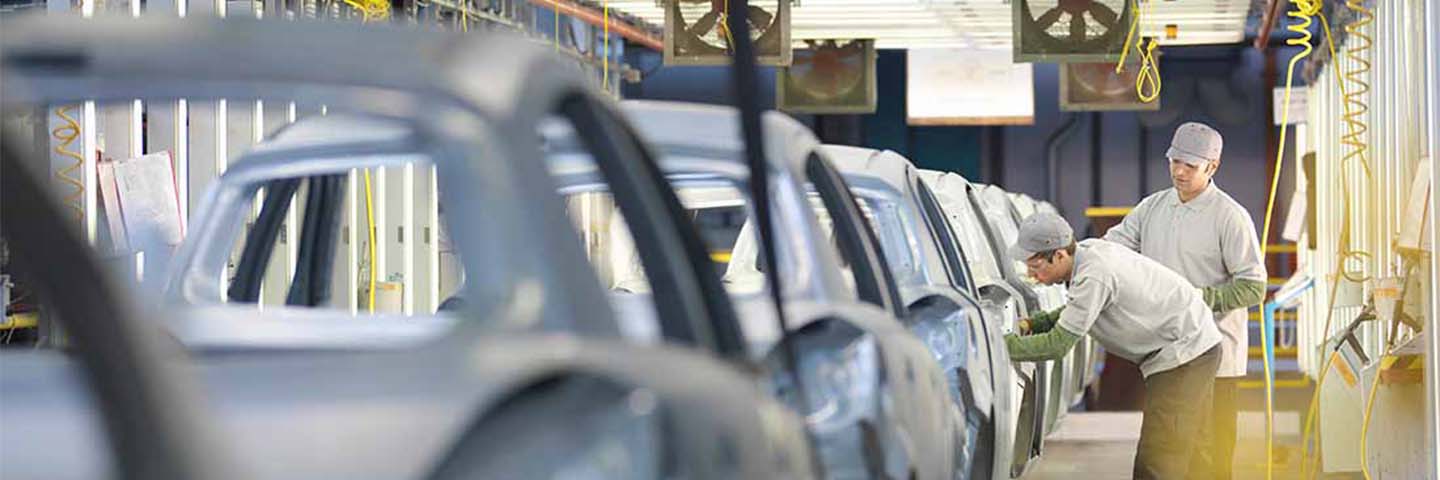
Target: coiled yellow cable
[
  {"x": 1302, "y": 12},
  {"x": 66, "y": 135},
  {"x": 1359, "y": 44},
  {"x": 1357, "y": 150}
]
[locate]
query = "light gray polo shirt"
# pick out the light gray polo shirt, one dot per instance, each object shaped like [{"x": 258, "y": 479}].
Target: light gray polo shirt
[
  {"x": 1136, "y": 308},
  {"x": 1209, "y": 240}
]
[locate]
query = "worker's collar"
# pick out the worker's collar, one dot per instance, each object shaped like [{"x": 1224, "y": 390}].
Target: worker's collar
[
  {"x": 1200, "y": 201},
  {"x": 1082, "y": 253}
]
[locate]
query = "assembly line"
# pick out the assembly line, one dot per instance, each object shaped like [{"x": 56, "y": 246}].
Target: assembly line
[{"x": 444, "y": 253}]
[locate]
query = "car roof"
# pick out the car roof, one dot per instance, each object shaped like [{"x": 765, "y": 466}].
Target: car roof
[{"x": 885, "y": 166}]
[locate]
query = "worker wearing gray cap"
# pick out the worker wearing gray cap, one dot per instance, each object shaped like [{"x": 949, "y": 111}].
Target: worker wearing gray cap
[
  {"x": 1197, "y": 230},
  {"x": 1139, "y": 310}
]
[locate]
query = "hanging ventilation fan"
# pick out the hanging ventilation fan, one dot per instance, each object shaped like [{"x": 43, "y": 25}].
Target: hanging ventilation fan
[
  {"x": 829, "y": 76},
  {"x": 695, "y": 32},
  {"x": 1070, "y": 30},
  {"x": 1096, "y": 86}
]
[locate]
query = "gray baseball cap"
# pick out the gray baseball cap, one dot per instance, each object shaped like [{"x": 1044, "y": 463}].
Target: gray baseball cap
[
  {"x": 1041, "y": 232},
  {"x": 1196, "y": 144}
]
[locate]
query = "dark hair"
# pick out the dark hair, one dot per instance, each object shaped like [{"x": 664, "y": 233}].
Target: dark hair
[{"x": 1050, "y": 255}]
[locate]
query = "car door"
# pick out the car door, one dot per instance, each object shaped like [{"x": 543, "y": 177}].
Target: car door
[{"x": 923, "y": 396}]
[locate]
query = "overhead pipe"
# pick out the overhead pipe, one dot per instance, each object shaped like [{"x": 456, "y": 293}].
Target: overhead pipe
[
  {"x": 1262, "y": 38},
  {"x": 1052, "y": 158},
  {"x": 588, "y": 15},
  {"x": 1096, "y": 181}
]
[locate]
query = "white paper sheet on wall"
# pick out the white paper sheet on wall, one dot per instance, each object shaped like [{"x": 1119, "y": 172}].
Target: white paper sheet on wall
[
  {"x": 145, "y": 186},
  {"x": 968, "y": 87}
]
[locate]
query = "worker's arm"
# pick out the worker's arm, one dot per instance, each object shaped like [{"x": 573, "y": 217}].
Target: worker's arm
[
  {"x": 1127, "y": 233},
  {"x": 1240, "y": 250},
  {"x": 1050, "y": 345},
  {"x": 1236, "y": 294},
  {"x": 1042, "y": 322},
  {"x": 1089, "y": 294}
]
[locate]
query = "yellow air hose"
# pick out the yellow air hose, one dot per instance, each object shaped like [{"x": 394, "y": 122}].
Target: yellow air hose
[
  {"x": 370, "y": 227},
  {"x": 1357, "y": 150},
  {"x": 1302, "y": 12},
  {"x": 1149, "y": 71},
  {"x": 66, "y": 135},
  {"x": 1370, "y": 408},
  {"x": 1359, "y": 44}
]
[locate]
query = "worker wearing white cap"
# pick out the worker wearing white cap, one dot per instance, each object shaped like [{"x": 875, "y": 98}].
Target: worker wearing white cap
[
  {"x": 1200, "y": 232},
  {"x": 1139, "y": 310}
]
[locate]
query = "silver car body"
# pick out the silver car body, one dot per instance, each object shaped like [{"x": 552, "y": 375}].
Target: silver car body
[
  {"x": 897, "y": 400},
  {"x": 398, "y": 412},
  {"x": 892, "y": 187}
]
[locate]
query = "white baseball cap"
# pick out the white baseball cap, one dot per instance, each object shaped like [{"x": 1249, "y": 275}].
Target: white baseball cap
[
  {"x": 1041, "y": 232},
  {"x": 1196, "y": 144}
]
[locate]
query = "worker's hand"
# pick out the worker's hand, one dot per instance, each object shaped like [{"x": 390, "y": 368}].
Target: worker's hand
[{"x": 1024, "y": 326}]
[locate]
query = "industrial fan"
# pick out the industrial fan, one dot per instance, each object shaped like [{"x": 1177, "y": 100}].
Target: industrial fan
[
  {"x": 1070, "y": 30},
  {"x": 695, "y": 32},
  {"x": 1096, "y": 86},
  {"x": 829, "y": 76}
]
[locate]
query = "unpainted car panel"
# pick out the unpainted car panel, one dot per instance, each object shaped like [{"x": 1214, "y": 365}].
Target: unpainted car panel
[
  {"x": 307, "y": 415},
  {"x": 891, "y": 176},
  {"x": 703, "y": 141},
  {"x": 1002, "y": 298},
  {"x": 376, "y": 414}
]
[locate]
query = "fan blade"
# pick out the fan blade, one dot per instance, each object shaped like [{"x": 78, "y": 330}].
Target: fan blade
[
  {"x": 1103, "y": 14},
  {"x": 705, "y": 24},
  {"x": 1077, "y": 29},
  {"x": 758, "y": 17},
  {"x": 1049, "y": 18}
]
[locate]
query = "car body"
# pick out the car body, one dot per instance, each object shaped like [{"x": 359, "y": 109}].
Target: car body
[
  {"x": 930, "y": 263},
  {"x": 878, "y": 399},
  {"x": 536, "y": 361}
]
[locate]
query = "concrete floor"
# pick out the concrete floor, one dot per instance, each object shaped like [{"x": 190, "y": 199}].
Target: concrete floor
[{"x": 1101, "y": 446}]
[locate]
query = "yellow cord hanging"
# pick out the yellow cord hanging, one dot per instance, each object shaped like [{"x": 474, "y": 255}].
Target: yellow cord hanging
[
  {"x": 370, "y": 227},
  {"x": 1356, "y": 151},
  {"x": 66, "y": 135},
  {"x": 1303, "y": 10},
  {"x": 1365, "y": 422},
  {"x": 1147, "y": 82},
  {"x": 724, "y": 26}
]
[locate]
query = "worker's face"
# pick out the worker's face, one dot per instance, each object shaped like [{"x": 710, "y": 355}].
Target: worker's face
[
  {"x": 1190, "y": 178},
  {"x": 1052, "y": 270}
]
